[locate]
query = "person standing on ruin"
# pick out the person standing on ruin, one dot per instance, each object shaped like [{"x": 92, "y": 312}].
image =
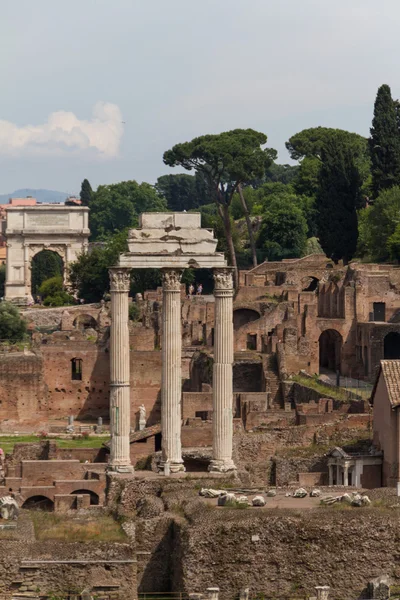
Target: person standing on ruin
[
  {"x": 199, "y": 289},
  {"x": 191, "y": 291}
]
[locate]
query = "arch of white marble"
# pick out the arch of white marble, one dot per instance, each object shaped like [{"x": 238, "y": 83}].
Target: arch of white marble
[
  {"x": 31, "y": 229},
  {"x": 171, "y": 242}
]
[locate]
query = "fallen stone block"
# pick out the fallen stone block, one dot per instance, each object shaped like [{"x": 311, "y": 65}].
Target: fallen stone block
[
  {"x": 258, "y": 501},
  {"x": 315, "y": 493},
  {"x": 271, "y": 493},
  {"x": 225, "y": 499},
  {"x": 300, "y": 493}
]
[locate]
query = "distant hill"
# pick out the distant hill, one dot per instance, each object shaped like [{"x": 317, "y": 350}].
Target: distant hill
[{"x": 40, "y": 195}]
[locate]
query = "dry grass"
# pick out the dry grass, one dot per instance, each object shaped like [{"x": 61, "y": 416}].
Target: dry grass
[
  {"x": 333, "y": 392},
  {"x": 49, "y": 526},
  {"x": 7, "y": 443}
]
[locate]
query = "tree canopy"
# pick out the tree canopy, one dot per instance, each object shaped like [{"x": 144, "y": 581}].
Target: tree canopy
[
  {"x": 337, "y": 199},
  {"x": 117, "y": 206},
  {"x": 86, "y": 193},
  {"x": 183, "y": 192},
  {"x": 384, "y": 143},
  {"x": 12, "y": 326},
  {"x": 283, "y": 232},
  {"x": 379, "y": 224},
  {"x": 226, "y": 161}
]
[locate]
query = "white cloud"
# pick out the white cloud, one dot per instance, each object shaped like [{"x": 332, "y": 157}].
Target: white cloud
[{"x": 63, "y": 133}]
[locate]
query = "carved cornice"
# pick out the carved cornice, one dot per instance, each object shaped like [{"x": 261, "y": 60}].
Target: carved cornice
[
  {"x": 120, "y": 279},
  {"x": 172, "y": 280},
  {"x": 223, "y": 279}
]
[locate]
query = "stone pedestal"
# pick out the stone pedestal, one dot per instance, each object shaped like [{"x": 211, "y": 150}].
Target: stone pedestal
[
  {"x": 171, "y": 384},
  {"x": 222, "y": 372},
  {"x": 120, "y": 409}
]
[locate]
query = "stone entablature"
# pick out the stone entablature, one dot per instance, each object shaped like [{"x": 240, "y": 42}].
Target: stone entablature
[{"x": 31, "y": 229}]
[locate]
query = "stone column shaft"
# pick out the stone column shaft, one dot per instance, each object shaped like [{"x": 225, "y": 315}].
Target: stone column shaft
[
  {"x": 120, "y": 408},
  {"x": 171, "y": 388},
  {"x": 222, "y": 373}
]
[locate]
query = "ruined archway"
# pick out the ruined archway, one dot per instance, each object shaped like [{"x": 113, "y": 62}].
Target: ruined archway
[
  {"x": 85, "y": 322},
  {"x": 39, "y": 503},
  {"x": 45, "y": 264},
  {"x": 391, "y": 345},
  {"x": 94, "y": 498},
  {"x": 242, "y": 316},
  {"x": 330, "y": 350},
  {"x": 309, "y": 284}
]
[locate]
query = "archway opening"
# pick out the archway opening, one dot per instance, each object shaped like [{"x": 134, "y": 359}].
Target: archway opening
[
  {"x": 242, "y": 316},
  {"x": 330, "y": 350},
  {"x": 85, "y": 322},
  {"x": 391, "y": 345},
  {"x": 45, "y": 264},
  {"x": 310, "y": 284},
  {"x": 94, "y": 498},
  {"x": 39, "y": 503}
]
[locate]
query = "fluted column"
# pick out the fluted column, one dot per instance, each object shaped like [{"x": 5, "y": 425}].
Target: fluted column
[
  {"x": 171, "y": 388},
  {"x": 120, "y": 409},
  {"x": 222, "y": 372}
]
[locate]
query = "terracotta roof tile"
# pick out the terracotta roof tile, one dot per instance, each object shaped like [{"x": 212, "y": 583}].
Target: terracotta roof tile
[{"x": 391, "y": 373}]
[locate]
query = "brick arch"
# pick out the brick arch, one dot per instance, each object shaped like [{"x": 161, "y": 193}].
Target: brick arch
[
  {"x": 244, "y": 315},
  {"x": 38, "y": 501}
]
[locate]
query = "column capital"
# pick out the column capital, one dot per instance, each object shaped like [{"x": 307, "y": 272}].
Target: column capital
[
  {"x": 171, "y": 280},
  {"x": 119, "y": 279},
  {"x": 223, "y": 279}
]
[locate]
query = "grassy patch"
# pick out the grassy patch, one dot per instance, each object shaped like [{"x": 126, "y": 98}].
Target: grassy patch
[
  {"x": 103, "y": 528},
  {"x": 304, "y": 451},
  {"x": 7, "y": 443},
  {"x": 334, "y": 392}
]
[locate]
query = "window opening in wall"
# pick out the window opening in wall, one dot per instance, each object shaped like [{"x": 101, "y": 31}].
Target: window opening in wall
[
  {"x": 76, "y": 369},
  {"x": 251, "y": 341},
  {"x": 202, "y": 414},
  {"x": 379, "y": 309}
]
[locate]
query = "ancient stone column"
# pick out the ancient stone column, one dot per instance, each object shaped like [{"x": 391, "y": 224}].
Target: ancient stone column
[
  {"x": 171, "y": 384},
  {"x": 120, "y": 409},
  {"x": 222, "y": 372}
]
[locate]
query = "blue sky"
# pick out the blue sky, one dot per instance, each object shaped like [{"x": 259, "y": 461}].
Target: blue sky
[{"x": 100, "y": 88}]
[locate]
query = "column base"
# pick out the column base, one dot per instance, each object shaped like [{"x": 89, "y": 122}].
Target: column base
[
  {"x": 171, "y": 467},
  {"x": 121, "y": 469},
  {"x": 221, "y": 466}
]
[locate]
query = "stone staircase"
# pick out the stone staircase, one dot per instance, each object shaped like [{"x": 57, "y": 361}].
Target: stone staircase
[{"x": 273, "y": 384}]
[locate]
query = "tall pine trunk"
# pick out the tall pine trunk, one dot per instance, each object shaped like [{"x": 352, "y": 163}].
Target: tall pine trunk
[
  {"x": 223, "y": 211},
  {"x": 249, "y": 227}
]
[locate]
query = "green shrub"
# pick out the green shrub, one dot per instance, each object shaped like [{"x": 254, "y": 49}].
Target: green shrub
[
  {"x": 12, "y": 326},
  {"x": 134, "y": 312}
]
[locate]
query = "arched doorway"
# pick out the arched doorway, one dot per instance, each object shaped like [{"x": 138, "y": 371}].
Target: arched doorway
[
  {"x": 39, "y": 503},
  {"x": 242, "y": 316},
  {"x": 309, "y": 284},
  {"x": 85, "y": 322},
  {"x": 330, "y": 350},
  {"x": 94, "y": 498},
  {"x": 391, "y": 345},
  {"x": 45, "y": 264}
]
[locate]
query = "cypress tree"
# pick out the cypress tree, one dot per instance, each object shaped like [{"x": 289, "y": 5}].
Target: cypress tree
[
  {"x": 337, "y": 199},
  {"x": 86, "y": 193},
  {"x": 384, "y": 143}
]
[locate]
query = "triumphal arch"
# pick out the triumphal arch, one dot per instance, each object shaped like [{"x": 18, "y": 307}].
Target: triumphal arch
[
  {"x": 171, "y": 242},
  {"x": 31, "y": 229}
]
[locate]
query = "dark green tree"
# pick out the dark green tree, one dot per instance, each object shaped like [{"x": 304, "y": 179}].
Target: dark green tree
[
  {"x": 307, "y": 145},
  {"x": 86, "y": 193},
  {"x": 89, "y": 276},
  {"x": 283, "y": 233},
  {"x": 115, "y": 207},
  {"x": 337, "y": 200},
  {"x": 183, "y": 192},
  {"x": 226, "y": 161},
  {"x": 45, "y": 264},
  {"x": 378, "y": 225},
  {"x": 12, "y": 326},
  {"x": 384, "y": 143}
]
